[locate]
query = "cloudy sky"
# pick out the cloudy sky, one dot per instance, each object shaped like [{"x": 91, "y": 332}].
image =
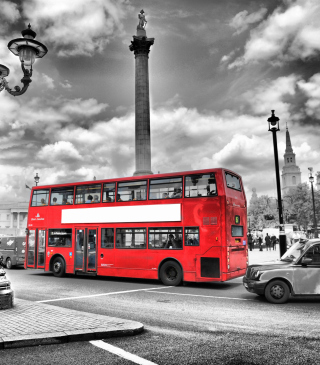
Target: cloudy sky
[{"x": 216, "y": 70}]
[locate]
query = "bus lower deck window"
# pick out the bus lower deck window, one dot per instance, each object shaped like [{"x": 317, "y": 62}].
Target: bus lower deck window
[
  {"x": 191, "y": 236},
  {"x": 165, "y": 238}
]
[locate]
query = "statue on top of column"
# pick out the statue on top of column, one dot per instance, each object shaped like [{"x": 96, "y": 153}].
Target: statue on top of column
[{"x": 142, "y": 20}]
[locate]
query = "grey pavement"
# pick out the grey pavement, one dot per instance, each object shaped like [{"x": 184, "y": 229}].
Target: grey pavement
[
  {"x": 256, "y": 256},
  {"x": 30, "y": 323}
]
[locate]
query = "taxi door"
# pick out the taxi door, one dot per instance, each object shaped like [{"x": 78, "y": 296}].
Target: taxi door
[{"x": 306, "y": 278}]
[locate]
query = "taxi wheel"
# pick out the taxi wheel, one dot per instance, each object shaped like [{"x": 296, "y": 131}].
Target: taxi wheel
[
  {"x": 58, "y": 267},
  {"x": 171, "y": 273},
  {"x": 277, "y": 292}
]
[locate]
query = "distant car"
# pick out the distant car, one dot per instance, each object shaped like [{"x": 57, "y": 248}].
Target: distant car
[{"x": 296, "y": 273}]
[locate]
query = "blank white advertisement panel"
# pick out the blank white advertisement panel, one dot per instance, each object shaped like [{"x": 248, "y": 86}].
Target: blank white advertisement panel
[{"x": 140, "y": 213}]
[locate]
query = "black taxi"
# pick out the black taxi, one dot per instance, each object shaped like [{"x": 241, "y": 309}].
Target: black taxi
[{"x": 296, "y": 273}]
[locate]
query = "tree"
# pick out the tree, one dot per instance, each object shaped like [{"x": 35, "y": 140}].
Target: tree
[{"x": 302, "y": 206}]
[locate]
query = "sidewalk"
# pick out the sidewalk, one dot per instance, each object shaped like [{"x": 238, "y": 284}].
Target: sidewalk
[
  {"x": 31, "y": 323},
  {"x": 256, "y": 256}
]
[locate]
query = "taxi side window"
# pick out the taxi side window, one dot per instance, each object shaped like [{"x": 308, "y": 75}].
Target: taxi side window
[{"x": 314, "y": 254}]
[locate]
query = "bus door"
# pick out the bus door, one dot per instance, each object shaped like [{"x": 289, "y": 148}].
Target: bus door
[
  {"x": 36, "y": 244},
  {"x": 86, "y": 249}
]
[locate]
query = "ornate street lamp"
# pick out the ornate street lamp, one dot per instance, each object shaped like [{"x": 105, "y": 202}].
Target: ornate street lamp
[
  {"x": 28, "y": 50},
  {"x": 36, "y": 179},
  {"x": 311, "y": 179},
  {"x": 273, "y": 122}
]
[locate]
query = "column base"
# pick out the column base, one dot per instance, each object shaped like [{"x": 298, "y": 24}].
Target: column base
[{"x": 142, "y": 172}]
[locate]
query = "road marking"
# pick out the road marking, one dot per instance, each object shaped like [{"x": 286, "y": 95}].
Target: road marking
[
  {"x": 100, "y": 295},
  {"x": 126, "y": 355},
  {"x": 203, "y": 296}
]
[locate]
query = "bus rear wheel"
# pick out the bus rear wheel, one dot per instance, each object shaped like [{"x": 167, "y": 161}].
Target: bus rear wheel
[
  {"x": 9, "y": 263},
  {"x": 171, "y": 273},
  {"x": 58, "y": 267}
]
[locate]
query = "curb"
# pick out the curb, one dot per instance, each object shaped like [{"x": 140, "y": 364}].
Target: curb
[{"x": 69, "y": 336}]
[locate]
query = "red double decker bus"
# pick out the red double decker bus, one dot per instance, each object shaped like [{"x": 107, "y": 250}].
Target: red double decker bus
[{"x": 189, "y": 226}]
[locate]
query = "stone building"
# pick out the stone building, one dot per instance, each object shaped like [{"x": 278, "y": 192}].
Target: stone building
[
  {"x": 13, "y": 218},
  {"x": 291, "y": 175}
]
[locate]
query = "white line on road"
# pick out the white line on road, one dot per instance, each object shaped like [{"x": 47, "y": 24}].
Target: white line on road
[
  {"x": 126, "y": 355},
  {"x": 100, "y": 295},
  {"x": 203, "y": 296}
]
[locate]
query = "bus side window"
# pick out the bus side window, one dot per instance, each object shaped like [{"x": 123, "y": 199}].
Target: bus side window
[
  {"x": 88, "y": 194},
  {"x": 200, "y": 185},
  {"x": 107, "y": 237},
  {"x": 135, "y": 190},
  {"x": 165, "y": 188},
  {"x": 40, "y": 198},
  {"x": 109, "y": 191},
  {"x": 191, "y": 236},
  {"x": 165, "y": 238}
]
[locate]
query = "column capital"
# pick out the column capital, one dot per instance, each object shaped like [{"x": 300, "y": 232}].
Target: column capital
[{"x": 141, "y": 45}]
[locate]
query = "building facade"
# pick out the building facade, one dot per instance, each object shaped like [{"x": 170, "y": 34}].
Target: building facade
[
  {"x": 13, "y": 218},
  {"x": 291, "y": 175}
]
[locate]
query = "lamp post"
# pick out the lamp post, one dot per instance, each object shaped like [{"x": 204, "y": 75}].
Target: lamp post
[
  {"x": 36, "y": 179},
  {"x": 273, "y": 122},
  {"x": 311, "y": 179},
  {"x": 28, "y": 50}
]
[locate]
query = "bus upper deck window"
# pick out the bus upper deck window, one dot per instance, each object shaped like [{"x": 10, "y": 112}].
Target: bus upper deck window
[
  {"x": 88, "y": 194},
  {"x": 233, "y": 182},
  {"x": 135, "y": 190},
  {"x": 62, "y": 196},
  {"x": 109, "y": 191},
  {"x": 165, "y": 188},
  {"x": 200, "y": 185},
  {"x": 40, "y": 198}
]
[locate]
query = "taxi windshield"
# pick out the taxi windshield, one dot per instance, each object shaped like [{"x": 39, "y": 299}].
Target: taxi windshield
[{"x": 296, "y": 250}]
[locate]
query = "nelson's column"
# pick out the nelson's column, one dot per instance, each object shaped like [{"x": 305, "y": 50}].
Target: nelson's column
[{"x": 140, "y": 45}]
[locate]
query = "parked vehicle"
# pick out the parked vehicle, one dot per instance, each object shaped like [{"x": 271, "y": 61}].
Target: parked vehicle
[
  {"x": 13, "y": 250},
  {"x": 296, "y": 273},
  {"x": 6, "y": 293}
]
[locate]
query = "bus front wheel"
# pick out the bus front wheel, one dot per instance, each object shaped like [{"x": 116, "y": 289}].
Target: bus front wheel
[
  {"x": 58, "y": 267},
  {"x": 171, "y": 273}
]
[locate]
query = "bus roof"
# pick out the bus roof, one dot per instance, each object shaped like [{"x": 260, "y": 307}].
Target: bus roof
[{"x": 132, "y": 178}]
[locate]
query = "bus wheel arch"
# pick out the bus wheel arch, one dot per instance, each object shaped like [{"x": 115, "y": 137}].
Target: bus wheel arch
[
  {"x": 58, "y": 265},
  {"x": 170, "y": 272}
]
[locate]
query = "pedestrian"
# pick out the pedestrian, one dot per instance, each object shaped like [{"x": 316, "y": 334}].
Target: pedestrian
[
  {"x": 250, "y": 241},
  {"x": 260, "y": 244},
  {"x": 268, "y": 242},
  {"x": 273, "y": 242}
]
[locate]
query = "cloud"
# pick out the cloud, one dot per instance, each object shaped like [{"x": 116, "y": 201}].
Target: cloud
[
  {"x": 80, "y": 27},
  {"x": 243, "y": 20},
  {"x": 58, "y": 153},
  {"x": 9, "y": 14},
  {"x": 289, "y": 33},
  {"x": 48, "y": 81},
  {"x": 66, "y": 84},
  {"x": 272, "y": 94},
  {"x": 311, "y": 89}
]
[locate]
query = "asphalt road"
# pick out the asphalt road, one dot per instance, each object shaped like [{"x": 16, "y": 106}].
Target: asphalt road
[{"x": 189, "y": 324}]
